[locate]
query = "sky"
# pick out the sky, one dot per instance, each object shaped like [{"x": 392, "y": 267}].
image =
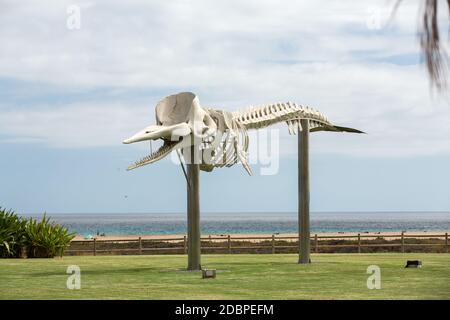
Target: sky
[{"x": 78, "y": 77}]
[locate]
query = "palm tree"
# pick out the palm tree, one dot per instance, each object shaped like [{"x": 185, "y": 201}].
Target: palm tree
[{"x": 433, "y": 52}]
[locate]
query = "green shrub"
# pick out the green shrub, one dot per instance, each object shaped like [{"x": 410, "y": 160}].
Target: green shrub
[
  {"x": 39, "y": 239},
  {"x": 46, "y": 239},
  {"x": 12, "y": 233}
]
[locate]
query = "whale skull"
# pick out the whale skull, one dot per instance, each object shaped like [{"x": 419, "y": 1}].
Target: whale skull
[{"x": 181, "y": 123}]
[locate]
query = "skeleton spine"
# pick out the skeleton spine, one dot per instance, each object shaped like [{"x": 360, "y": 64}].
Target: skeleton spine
[{"x": 263, "y": 116}]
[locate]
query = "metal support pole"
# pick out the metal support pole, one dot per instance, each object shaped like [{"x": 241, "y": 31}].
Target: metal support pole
[
  {"x": 446, "y": 242},
  {"x": 193, "y": 214},
  {"x": 140, "y": 245},
  {"x": 403, "y": 241},
  {"x": 316, "y": 243},
  {"x": 359, "y": 243},
  {"x": 303, "y": 193},
  {"x": 273, "y": 244}
]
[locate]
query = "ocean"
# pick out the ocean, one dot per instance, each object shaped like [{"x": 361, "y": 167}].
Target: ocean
[{"x": 248, "y": 223}]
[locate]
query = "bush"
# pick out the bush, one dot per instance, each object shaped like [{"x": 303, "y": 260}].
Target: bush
[
  {"x": 12, "y": 233},
  {"x": 38, "y": 239},
  {"x": 45, "y": 239}
]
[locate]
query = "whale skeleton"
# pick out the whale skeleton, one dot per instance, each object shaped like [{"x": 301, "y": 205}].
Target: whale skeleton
[
  {"x": 209, "y": 138},
  {"x": 220, "y": 136}
]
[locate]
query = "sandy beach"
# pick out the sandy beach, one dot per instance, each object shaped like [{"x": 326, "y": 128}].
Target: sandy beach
[{"x": 259, "y": 235}]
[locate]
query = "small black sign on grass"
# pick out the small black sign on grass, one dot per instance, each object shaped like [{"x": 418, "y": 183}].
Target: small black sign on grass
[{"x": 413, "y": 264}]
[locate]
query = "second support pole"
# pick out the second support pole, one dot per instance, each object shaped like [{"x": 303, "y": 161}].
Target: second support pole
[
  {"x": 193, "y": 214},
  {"x": 303, "y": 193}
]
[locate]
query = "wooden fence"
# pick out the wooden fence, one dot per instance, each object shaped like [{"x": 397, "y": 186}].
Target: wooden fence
[{"x": 265, "y": 244}]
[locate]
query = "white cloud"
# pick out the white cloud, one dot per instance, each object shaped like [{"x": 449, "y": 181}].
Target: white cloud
[
  {"x": 154, "y": 43},
  {"x": 234, "y": 54},
  {"x": 78, "y": 125}
]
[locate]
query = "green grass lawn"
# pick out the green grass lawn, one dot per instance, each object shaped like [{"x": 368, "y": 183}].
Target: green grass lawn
[{"x": 252, "y": 276}]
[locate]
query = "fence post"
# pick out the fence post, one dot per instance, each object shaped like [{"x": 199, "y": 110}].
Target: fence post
[
  {"x": 316, "y": 243},
  {"x": 185, "y": 244},
  {"x": 273, "y": 243},
  {"x": 446, "y": 242},
  {"x": 95, "y": 246},
  {"x": 403, "y": 242},
  {"x": 229, "y": 244},
  {"x": 359, "y": 243},
  {"x": 140, "y": 245}
]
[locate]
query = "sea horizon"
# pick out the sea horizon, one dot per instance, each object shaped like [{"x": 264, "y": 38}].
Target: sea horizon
[{"x": 250, "y": 222}]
